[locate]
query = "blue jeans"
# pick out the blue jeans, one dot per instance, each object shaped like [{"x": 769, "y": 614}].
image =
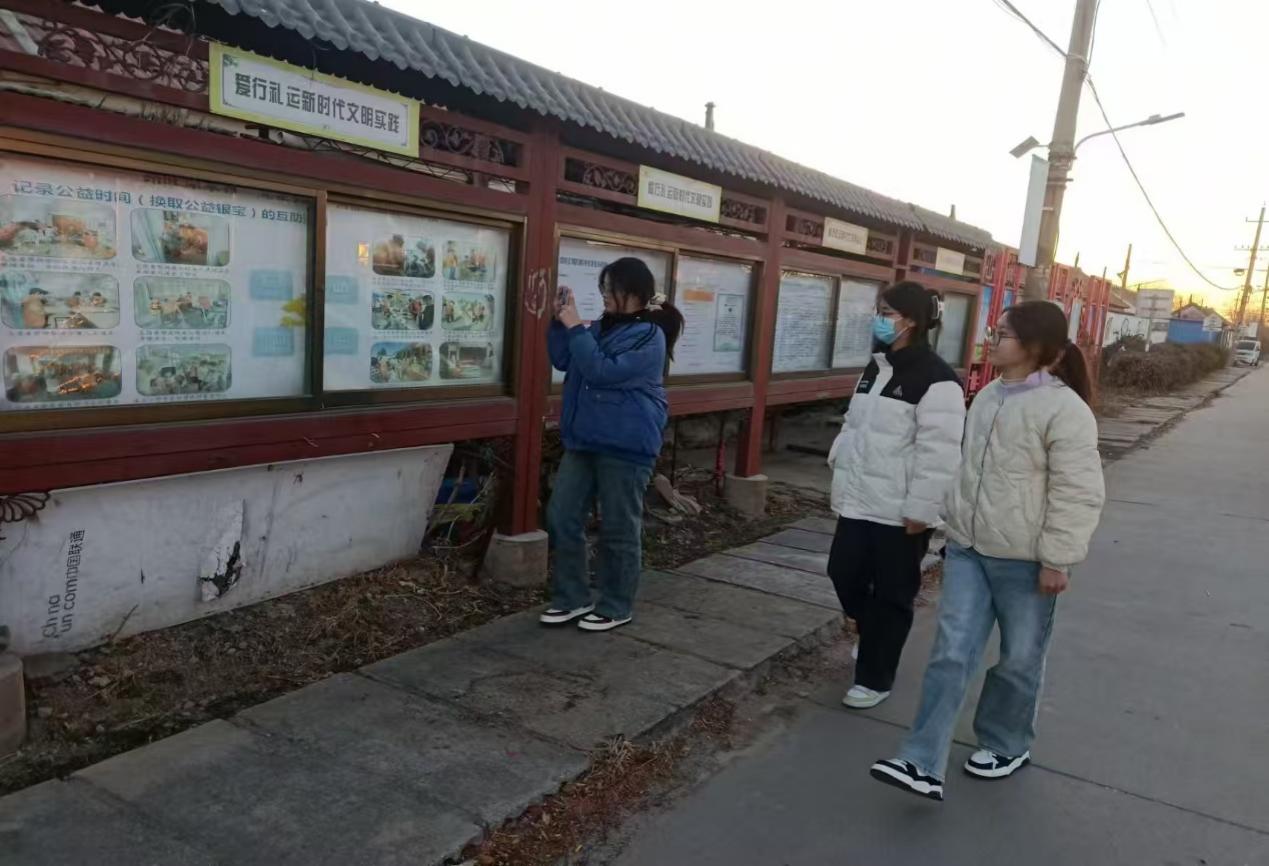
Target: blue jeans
[
  {"x": 619, "y": 485},
  {"x": 979, "y": 591}
]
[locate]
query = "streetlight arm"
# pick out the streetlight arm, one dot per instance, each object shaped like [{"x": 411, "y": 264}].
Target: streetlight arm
[{"x": 1149, "y": 121}]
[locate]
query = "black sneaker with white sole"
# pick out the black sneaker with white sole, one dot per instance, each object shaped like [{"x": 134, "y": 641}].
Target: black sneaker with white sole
[
  {"x": 595, "y": 622},
  {"x": 906, "y": 777},
  {"x": 986, "y": 764},
  {"x": 560, "y": 616}
]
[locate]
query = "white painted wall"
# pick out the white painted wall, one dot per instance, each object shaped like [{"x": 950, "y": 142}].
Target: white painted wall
[{"x": 131, "y": 554}]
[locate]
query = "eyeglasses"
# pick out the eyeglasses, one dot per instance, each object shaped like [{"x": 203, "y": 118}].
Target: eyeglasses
[{"x": 995, "y": 335}]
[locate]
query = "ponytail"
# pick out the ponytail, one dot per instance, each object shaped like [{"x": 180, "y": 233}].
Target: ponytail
[
  {"x": 667, "y": 317},
  {"x": 1073, "y": 371}
]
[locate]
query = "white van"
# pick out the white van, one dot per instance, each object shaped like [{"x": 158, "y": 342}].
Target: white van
[{"x": 1247, "y": 351}]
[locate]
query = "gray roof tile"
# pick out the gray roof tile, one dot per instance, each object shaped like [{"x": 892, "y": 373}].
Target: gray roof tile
[{"x": 382, "y": 34}]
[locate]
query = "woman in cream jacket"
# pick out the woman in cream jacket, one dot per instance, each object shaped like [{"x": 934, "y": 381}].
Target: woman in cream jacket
[{"x": 1024, "y": 506}]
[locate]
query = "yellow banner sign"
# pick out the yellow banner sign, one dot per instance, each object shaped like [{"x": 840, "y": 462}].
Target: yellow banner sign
[{"x": 272, "y": 93}]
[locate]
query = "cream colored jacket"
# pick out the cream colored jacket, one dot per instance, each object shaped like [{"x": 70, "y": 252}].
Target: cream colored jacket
[{"x": 1030, "y": 482}]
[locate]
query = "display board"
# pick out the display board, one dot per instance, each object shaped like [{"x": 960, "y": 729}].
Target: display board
[
  {"x": 119, "y": 287},
  {"x": 412, "y": 302},
  {"x": 980, "y": 328},
  {"x": 856, "y": 306},
  {"x": 713, "y": 296},
  {"x": 951, "y": 335},
  {"x": 581, "y": 262},
  {"x": 804, "y": 323}
]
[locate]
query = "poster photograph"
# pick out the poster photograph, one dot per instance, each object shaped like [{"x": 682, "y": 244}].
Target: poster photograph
[
  {"x": 56, "y": 228},
  {"x": 48, "y": 374},
  {"x": 467, "y": 312},
  {"x": 393, "y": 363},
  {"x": 174, "y": 237},
  {"x": 467, "y": 263},
  {"x": 164, "y": 371},
  {"x": 393, "y": 310},
  {"x": 472, "y": 362},
  {"x": 427, "y": 323},
  {"x": 54, "y": 300},
  {"x": 399, "y": 256},
  {"x": 180, "y": 304}
]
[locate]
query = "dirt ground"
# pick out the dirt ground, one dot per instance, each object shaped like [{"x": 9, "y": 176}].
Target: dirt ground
[{"x": 130, "y": 692}]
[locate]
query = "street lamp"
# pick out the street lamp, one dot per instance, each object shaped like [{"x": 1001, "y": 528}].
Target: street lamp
[{"x": 1030, "y": 144}]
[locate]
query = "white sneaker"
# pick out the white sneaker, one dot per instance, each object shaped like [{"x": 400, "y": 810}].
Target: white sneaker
[
  {"x": 986, "y": 764},
  {"x": 595, "y": 622},
  {"x": 559, "y": 616},
  {"x": 863, "y": 698}
]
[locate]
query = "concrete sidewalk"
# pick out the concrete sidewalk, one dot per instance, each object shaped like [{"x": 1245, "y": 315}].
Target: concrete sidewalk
[
  {"x": 1153, "y": 740},
  {"x": 407, "y": 760}
]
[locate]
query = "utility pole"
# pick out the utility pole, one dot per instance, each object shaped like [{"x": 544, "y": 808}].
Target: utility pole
[
  {"x": 1061, "y": 149},
  {"x": 1123, "y": 275},
  {"x": 1251, "y": 267},
  {"x": 1264, "y": 296}
]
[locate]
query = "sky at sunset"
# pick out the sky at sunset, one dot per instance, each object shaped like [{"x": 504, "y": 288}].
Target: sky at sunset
[{"x": 923, "y": 99}]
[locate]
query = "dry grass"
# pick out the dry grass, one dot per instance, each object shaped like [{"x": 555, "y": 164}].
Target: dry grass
[
  {"x": 131, "y": 692},
  {"x": 622, "y": 779}
]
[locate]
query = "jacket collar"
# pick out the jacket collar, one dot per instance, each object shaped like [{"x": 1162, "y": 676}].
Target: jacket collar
[{"x": 902, "y": 358}]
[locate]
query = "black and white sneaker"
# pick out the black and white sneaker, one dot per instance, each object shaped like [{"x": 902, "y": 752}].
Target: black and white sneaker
[
  {"x": 906, "y": 777},
  {"x": 986, "y": 764},
  {"x": 595, "y": 622},
  {"x": 559, "y": 616}
]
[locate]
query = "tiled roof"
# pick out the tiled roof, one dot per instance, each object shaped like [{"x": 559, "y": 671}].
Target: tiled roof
[{"x": 382, "y": 34}]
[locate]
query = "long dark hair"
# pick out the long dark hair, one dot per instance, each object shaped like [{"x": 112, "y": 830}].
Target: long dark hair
[
  {"x": 913, "y": 301},
  {"x": 632, "y": 278},
  {"x": 1041, "y": 328}
]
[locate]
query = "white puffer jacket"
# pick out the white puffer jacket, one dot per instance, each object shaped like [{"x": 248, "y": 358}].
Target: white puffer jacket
[
  {"x": 1030, "y": 486},
  {"x": 899, "y": 447}
]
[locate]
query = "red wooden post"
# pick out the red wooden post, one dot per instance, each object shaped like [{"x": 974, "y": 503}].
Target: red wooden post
[
  {"x": 536, "y": 297},
  {"x": 749, "y": 447}
]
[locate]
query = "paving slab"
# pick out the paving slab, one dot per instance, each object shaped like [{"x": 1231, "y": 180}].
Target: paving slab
[
  {"x": 615, "y": 665},
  {"x": 801, "y": 539},
  {"x": 765, "y": 577},
  {"x": 567, "y": 707},
  {"x": 70, "y": 823},
  {"x": 789, "y": 557},
  {"x": 247, "y": 798},
  {"x": 700, "y": 635},
  {"x": 747, "y": 607},
  {"x": 822, "y": 525},
  {"x": 483, "y": 768}
]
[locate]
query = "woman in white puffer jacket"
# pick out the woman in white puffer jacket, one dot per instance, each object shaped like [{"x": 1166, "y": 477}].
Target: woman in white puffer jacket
[
  {"x": 1026, "y": 501},
  {"x": 892, "y": 464}
]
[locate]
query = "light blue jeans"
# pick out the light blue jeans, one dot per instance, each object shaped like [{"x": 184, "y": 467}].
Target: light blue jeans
[
  {"x": 619, "y": 486},
  {"x": 978, "y": 592}
]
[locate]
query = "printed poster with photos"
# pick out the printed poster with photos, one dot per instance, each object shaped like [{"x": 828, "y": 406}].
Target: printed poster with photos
[
  {"x": 412, "y": 302},
  {"x": 804, "y": 322},
  {"x": 713, "y": 296},
  {"x": 856, "y": 306},
  {"x": 579, "y": 266},
  {"x": 119, "y": 287}
]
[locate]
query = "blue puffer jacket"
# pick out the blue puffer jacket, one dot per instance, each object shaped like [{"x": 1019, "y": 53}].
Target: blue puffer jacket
[{"x": 614, "y": 400}]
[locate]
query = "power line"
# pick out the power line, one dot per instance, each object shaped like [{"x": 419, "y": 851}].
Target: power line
[
  {"x": 1146, "y": 195},
  {"x": 1013, "y": 10}
]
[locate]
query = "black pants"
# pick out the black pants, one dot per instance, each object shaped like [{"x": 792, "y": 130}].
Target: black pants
[{"x": 876, "y": 570}]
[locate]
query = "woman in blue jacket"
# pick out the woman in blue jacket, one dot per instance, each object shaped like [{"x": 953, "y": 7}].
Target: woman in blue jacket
[{"x": 611, "y": 424}]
